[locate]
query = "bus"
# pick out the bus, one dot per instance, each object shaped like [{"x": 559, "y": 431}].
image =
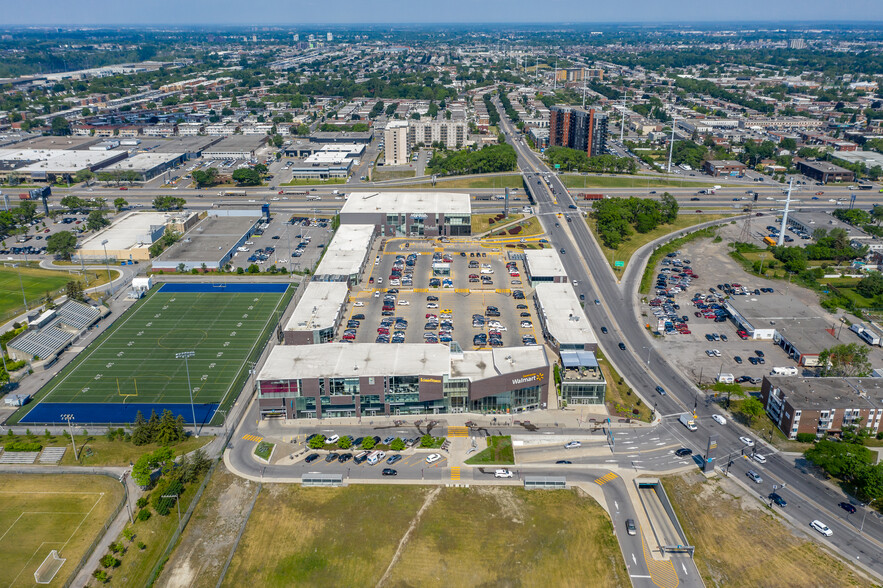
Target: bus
[{"x": 770, "y": 241}]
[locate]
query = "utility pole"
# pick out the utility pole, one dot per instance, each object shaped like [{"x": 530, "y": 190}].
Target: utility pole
[
  {"x": 185, "y": 355},
  {"x": 107, "y": 267}
]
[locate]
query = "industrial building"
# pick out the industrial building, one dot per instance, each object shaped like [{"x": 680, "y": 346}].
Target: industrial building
[
  {"x": 824, "y": 172},
  {"x": 317, "y": 314},
  {"x": 147, "y": 165},
  {"x": 130, "y": 237},
  {"x": 209, "y": 245},
  {"x": 578, "y": 128},
  {"x": 544, "y": 265},
  {"x": 822, "y": 406},
  {"x": 346, "y": 255},
  {"x": 52, "y": 165},
  {"x": 368, "y": 379},
  {"x": 395, "y": 143},
  {"x": 415, "y": 214},
  {"x": 343, "y": 137},
  {"x": 235, "y": 147}
]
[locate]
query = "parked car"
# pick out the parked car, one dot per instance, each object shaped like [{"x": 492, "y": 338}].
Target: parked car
[{"x": 311, "y": 458}]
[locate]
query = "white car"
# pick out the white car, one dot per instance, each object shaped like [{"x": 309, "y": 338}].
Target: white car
[
  {"x": 754, "y": 476},
  {"x": 573, "y": 445},
  {"x": 433, "y": 457},
  {"x": 821, "y": 528},
  {"x": 747, "y": 441},
  {"x": 503, "y": 474},
  {"x": 431, "y": 305},
  {"x": 719, "y": 419},
  {"x": 716, "y": 352},
  {"x": 404, "y": 302},
  {"x": 359, "y": 303},
  {"x": 332, "y": 439},
  {"x": 758, "y": 458}
]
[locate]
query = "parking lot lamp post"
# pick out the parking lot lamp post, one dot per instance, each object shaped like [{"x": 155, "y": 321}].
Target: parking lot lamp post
[
  {"x": 107, "y": 266},
  {"x": 69, "y": 417},
  {"x": 867, "y": 508},
  {"x": 185, "y": 355}
]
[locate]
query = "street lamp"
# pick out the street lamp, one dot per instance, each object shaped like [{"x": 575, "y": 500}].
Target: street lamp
[
  {"x": 648, "y": 355},
  {"x": 185, "y": 355},
  {"x": 107, "y": 265},
  {"x": 867, "y": 508},
  {"x": 69, "y": 417},
  {"x": 20, "y": 283}
]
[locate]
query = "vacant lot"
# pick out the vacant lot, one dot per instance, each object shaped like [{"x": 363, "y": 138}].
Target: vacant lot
[
  {"x": 740, "y": 542},
  {"x": 499, "y": 452},
  {"x": 527, "y": 228},
  {"x": 486, "y": 536},
  {"x": 501, "y": 181},
  {"x": 97, "y": 450},
  {"x": 482, "y": 222},
  {"x": 379, "y": 175},
  {"x": 595, "y": 181},
  {"x": 39, "y": 513}
]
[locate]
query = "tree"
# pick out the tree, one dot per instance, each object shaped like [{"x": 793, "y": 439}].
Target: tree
[
  {"x": 62, "y": 243},
  {"x": 317, "y": 442},
  {"x": 73, "y": 203},
  {"x": 96, "y": 220},
  {"x": 397, "y": 444},
  {"x": 74, "y": 290},
  {"x": 845, "y": 360},
  {"x": 871, "y": 286},
  {"x": 120, "y": 203},
  {"x": 205, "y": 178},
  {"x": 167, "y": 431},
  {"x": 345, "y": 442},
  {"x": 61, "y": 126},
  {"x": 752, "y": 408},
  {"x": 426, "y": 441},
  {"x": 140, "y": 431},
  {"x": 247, "y": 177},
  {"x": 368, "y": 443},
  {"x": 168, "y": 203}
]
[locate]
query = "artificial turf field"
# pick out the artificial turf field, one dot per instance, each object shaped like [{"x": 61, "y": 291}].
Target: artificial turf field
[{"x": 132, "y": 366}]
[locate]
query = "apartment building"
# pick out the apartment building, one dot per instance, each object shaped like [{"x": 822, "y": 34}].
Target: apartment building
[
  {"x": 451, "y": 134},
  {"x": 578, "y": 128},
  {"x": 395, "y": 139}
]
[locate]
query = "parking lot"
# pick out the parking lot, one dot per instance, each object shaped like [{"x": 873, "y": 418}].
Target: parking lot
[
  {"x": 295, "y": 243},
  {"x": 436, "y": 297}
]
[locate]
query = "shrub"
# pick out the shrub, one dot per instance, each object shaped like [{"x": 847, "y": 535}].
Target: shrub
[
  {"x": 397, "y": 444},
  {"x": 117, "y": 547},
  {"x": 143, "y": 515},
  {"x": 142, "y": 546},
  {"x": 109, "y": 561},
  {"x": 23, "y": 446},
  {"x": 128, "y": 533},
  {"x": 806, "y": 437},
  {"x": 368, "y": 443},
  {"x": 101, "y": 576},
  {"x": 141, "y": 502},
  {"x": 426, "y": 441}
]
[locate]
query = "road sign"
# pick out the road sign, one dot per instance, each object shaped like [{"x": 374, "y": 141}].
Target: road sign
[
  {"x": 557, "y": 166},
  {"x": 618, "y": 264}
]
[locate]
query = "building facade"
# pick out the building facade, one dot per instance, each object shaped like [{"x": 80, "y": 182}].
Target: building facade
[
  {"x": 450, "y": 134},
  {"x": 395, "y": 143},
  {"x": 577, "y": 128}
]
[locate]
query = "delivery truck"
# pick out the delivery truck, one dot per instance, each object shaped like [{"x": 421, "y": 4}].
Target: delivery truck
[{"x": 687, "y": 420}]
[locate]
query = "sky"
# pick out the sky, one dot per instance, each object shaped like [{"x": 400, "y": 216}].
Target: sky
[{"x": 310, "y": 12}]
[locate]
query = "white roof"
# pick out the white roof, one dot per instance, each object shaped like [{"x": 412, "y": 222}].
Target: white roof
[
  {"x": 563, "y": 315},
  {"x": 345, "y": 254},
  {"x": 132, "y": 230},
  {"x": 327, "y": 157},
  {"x": 544, "y": 263},
  {"x": 143, "y": 161},
  {"x": 58, "y": 160},
  {"x": 355, "y": 359},
  {"x": 319, "y": 307},
  {"x": 408, "y": 202},
  {"x": 479, "y": 365}
]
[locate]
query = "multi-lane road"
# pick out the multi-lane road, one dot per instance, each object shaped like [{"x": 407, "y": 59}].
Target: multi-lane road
[{"x": 808, "y": 498}]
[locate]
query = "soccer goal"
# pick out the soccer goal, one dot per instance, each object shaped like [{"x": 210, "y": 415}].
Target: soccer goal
[{"x": 50, "y": 566}]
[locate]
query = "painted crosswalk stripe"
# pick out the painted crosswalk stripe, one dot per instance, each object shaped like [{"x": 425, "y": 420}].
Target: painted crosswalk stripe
[
  {"x": 455, "y": 473},
  {"x": 609, "y": 476},
  {"x": 254, "y": 438},
  {"x": 458, "y": 431}
]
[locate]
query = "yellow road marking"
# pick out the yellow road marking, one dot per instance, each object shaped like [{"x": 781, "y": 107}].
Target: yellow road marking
[
  {"x": 608, "y": 477},
  {"x": 254, "y": 438}
]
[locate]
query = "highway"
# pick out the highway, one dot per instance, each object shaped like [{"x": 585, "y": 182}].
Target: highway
[{"x": 808, "y": 498}]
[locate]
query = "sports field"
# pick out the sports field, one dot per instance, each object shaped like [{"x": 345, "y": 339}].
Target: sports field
[
  {"x": 133, "y": 367},
  {"x": 39, "y": 513}
]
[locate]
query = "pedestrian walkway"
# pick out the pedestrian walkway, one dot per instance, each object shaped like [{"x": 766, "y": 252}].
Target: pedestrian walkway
[
  {"x": 455, "y": 473},
  {"x": 52, "y": 454},
  {"x": 454, "y": 432},
  {"x": 254, "y": 438},
  {"x": 608, "y": 477},
  {"x": 19, "y": 457}
]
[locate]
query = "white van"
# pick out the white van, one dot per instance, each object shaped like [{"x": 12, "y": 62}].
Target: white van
[
  {"x": 486, "y": 271},
  {"x": 375, "y": 457},
  {"x": 726, "y": 378},
  {"x": 784, "y": 371}
]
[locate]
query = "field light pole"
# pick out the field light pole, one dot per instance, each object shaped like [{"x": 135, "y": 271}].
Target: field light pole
[
  {"x": 185, "y": 355},
  {"x": 22, "y": 284},
  {"x": 69, "y": 417},
  {"x": 107, "y": 266}
]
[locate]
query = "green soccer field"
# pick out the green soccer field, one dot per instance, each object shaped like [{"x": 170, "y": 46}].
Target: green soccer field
[{"x": 134, "y": 361}]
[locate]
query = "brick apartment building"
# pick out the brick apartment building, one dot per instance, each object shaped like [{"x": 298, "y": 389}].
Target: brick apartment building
[{"x": 578, "y": 128}]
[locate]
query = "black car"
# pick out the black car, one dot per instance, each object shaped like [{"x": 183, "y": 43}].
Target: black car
[
  {"x": 604, "y": 330},
  {"x": 564, "y": 462},
  {"x": 777, "y": 499},
  {"x": 389, "y": 472},
  {"x": 759, "y": 353},
  {"x": 358, "y": 442},
  {"x": 622, "y": 346},
  {"x": 684, "y": 452},
  {"x": 847, "y": 507},
  {"x": 345, "y": 457},
  {"x": 311, "y": 458},
  {"x": 432, "y": 298},
  {"x": 562, "y": 251},
  {"x": 661, "y": 390},
  {"x": 331, "y": 457},
  {"x": 358, "y": 317}
]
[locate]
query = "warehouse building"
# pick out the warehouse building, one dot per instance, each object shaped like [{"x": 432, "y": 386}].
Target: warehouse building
[
  {"x": 130, "y": 237},
  {"x": 317, "y": 315},
  {"x": 346, "y": 255},
  {"x": 52, "y": 165},
  {"x": 148, "y": 165},
  {"x": 211, "y": 244},
  {"x": 235, "y": 147},
  {"x": 344, "y": 137},
  {"x": 822, "y": 406},
  {"x": 417, "y": 214},
  {"x": 368, "y": 379}
]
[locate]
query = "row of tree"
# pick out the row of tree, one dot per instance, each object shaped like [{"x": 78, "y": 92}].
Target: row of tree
[
  {"x": 851, "y": 462},
  {"x": 616, "y": 217},
  {"x": 576, "y": 160},
  {"x": 164, "y": 430}
]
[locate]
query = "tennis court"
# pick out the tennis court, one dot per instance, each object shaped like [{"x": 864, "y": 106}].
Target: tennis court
[{"x": 133, "y": 366}]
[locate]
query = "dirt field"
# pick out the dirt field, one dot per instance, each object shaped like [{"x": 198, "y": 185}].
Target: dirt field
[
  {"x": 203, "y": 550},
  {"x": 741, "y": 542},
  {"x": 403, "y": 536}
]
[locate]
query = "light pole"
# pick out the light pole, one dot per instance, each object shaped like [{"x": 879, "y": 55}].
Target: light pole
[
  {"x": 107, "y": 265},
  {"x": 185, "y": 355},
  {"x": 867, "y": 508},
  {"x": 20, "y": 283},
  {"x": 69, "y": 417},
  {"x": 648, "y": 355}
]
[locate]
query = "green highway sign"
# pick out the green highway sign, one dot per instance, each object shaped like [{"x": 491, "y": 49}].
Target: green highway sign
[
  {"x": 557, "y": 166},
  {"x": 618, "y": 264}
]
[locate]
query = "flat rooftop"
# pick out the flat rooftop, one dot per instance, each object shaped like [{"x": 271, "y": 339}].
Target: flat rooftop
[
  {"x": 345, "y": 137},
  {"x": 338, "y": 360},
  {"x": 827, "y": 393},
  {"x": 319, "y": 306},
  {"x": 236, "y": 143},
  {"x": 544, "y": 263},
  {"x": 345, "y": 254},
  {"x": 132, "y": 230},
  {"x": 143, "y": 162},
  {"x": 563, "y": 315},
  {"x": 55, "y": 142},
  {"x": 767, "y": 311},
  {"x": 194, "y": 144},
  {"x": 479, "y": 365},
  {"x": 824, "y": 166},
  {"x": 210, "y": 240},
  {"x": 58, "y": 160},
  {"x": 408, "y": 202},
  {"x": 869, "y": 158},
  {"x": 824, "y": 220}
]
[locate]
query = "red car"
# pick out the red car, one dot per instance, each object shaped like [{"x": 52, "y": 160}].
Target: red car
[
  {"x": 383, "y": 330},
  {"x": 349, "y": 337}
]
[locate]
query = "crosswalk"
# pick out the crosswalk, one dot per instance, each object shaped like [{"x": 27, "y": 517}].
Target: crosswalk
[
  {"x": 455, "y": 473},
  {"x": 608, "y": 477},
  {"x": 458, "y": 432},
  {"x": 254, "y": 438}
]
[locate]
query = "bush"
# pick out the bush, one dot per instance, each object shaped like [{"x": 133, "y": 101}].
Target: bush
[
  {"x": 141, "y": 502},
  {"x": 317, "y": 442},
  {"x": 143, "y": 515},
  {"x": 368, "y": 443},
  {"x": 426, "y": 441},
  {"x": 806, "y": 437},
  {"x": 23, "y": 446},
  {"x": 101, "y": 576},
  {"x": 109, "y": 561},
  {"x": 345, "y": 442},
  {"x": 397, "y": 444},
  {"x": 142, "y": 546}
]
